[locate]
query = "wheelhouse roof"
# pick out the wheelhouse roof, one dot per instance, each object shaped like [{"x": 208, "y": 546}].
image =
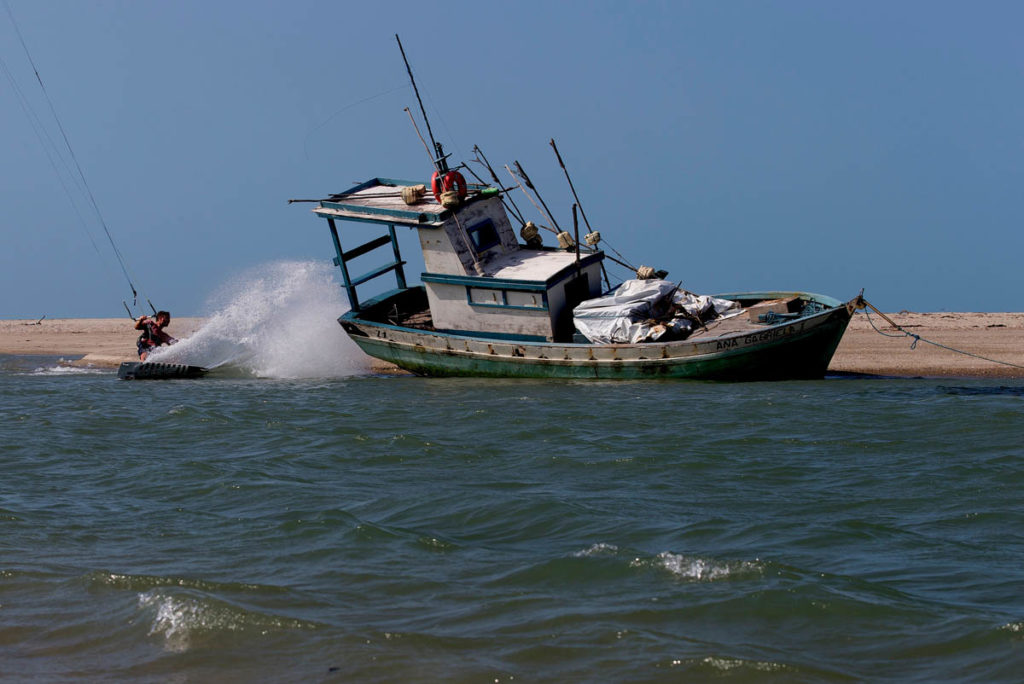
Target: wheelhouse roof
[
  {"x": 534, "y": 265},
  {"x": 379, "y": 200}
]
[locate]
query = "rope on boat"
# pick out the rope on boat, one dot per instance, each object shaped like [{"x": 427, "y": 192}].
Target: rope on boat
[{"x": 917, "y": 338}]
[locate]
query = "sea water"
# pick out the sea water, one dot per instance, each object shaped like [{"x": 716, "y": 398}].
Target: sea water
[{"x": 275, "y": 522}]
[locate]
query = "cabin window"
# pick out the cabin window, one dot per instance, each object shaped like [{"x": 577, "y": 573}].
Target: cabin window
[
  {"x": 484, "y": 235},
  {"x": 530, "y": 300},
  {"x": 506, "y": 299},
  {"x": 479, "y": 295}
]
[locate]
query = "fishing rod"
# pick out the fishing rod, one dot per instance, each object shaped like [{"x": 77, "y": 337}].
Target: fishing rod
[
  {"x": 502, "y": 192},
  {"x": 529, "y": 197},
  {"x": 475, "y": 175},
  {"x": 441, "y": 162},
  {"x": 335, "y": 198},
  {"x": 529, "y": 184},
  {"x": 576, "y": 231},
  {"x": 571, "y": 186},
  {"x": 583, "y": 213},
  {"x": 494, "y": 187},
  {"x": 482, "y": 160},
  {"x": 482, "y": 189},
  {"x": 419, "y": 135}
]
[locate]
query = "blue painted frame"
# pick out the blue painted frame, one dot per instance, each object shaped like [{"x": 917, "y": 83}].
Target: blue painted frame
[{"x": 342, "y": 257}]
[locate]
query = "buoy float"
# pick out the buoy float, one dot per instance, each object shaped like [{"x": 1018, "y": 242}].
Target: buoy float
[{"x": 450, "y": 181}]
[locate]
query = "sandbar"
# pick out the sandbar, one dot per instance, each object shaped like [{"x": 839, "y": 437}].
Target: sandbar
[
  {"x": 996, "y": 336},
  {"x": 106, "y": 342},
  {"x": 99, "y": 342}
]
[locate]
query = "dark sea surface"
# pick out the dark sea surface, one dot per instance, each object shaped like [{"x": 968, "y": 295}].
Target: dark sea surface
[{"x": 366, "y": 528}]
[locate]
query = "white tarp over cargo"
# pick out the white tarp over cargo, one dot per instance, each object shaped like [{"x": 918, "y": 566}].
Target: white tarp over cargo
[{"x": 646, "y": 311}]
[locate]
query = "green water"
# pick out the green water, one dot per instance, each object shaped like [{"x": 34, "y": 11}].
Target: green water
[{"x": 384, "y": 529}]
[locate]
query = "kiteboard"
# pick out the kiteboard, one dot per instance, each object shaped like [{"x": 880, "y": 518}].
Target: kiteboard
[{"x": 134, "y": 370}]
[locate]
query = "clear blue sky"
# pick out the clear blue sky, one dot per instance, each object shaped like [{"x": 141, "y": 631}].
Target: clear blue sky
[{"x": 821, "y": 146}]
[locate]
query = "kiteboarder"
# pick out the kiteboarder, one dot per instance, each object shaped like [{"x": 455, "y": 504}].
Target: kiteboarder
[{"x": 153, "y": 334}]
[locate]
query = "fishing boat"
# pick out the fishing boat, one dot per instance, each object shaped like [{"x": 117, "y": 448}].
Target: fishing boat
[{"x": 488, "y": 305}]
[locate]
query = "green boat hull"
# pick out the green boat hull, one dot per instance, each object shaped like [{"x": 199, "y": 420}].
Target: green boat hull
[{"x": 797, "y": 349}]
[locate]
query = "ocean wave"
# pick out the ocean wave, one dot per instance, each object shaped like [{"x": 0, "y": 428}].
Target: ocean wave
[
  {"x": 1015, "y": 628},
  {"x": 147, "y": 582},
  {"x": 62, "y": 369},
  {"x": 184, "y": 621},
  {"x": 720, "y": 666},
  {"x": 697, "y": 569},
  {"x": 436, "y": 545},
  {"x": 599, "y": 549}
]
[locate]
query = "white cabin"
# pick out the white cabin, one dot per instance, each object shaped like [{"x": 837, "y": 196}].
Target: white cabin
[{"x": 479, "y": 279}]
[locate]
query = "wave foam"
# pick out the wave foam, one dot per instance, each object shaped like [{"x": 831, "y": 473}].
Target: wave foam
[
  {"x": 183, "y": 620},
  {"x": 63, "y": 369},
  {"x": 695, "y": 569},
  {"x": 1013, "y": 627},
  {"x": 599, "y": 549},
  {"x": 729, "y": 664}
]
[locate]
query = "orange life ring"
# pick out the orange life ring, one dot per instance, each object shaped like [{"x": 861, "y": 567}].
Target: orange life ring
[{"x": 441, "y": 184}]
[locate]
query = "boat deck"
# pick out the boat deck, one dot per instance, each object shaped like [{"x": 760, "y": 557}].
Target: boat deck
[
  {"x": 728, "y": 326},
  {"x": 738, "y": 323},
  {"x": 415, "y": 314}
]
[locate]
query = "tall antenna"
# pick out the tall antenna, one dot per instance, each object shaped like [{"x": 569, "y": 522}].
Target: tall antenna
[{"x": 441, "y": 161}]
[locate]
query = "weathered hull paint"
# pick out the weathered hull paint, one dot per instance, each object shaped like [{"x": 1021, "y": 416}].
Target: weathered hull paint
[{"x": 799, "y": 349}]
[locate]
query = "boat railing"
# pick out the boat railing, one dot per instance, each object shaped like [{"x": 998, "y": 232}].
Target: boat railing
[{"x": 342, "y": 258}]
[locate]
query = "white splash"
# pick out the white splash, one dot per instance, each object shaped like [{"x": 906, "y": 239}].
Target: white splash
[
  {"x": 175, "y": 619},
  {"x": 279, "y": 320},
  {"x": 692, "y": 568},
  {"x": 69, "y": 370},
  {"x": 185, "y": 620},
  {"x": 1014, "y": 627},
  {"x": 696, "y": 569},
  {"x": 727, "y": 664},
  {"x": 599, "y": 549}
]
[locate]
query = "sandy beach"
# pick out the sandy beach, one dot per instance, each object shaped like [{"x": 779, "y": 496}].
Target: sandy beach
[
  {"x": 998, "y": 336},
  {"x": 101, "y": 342},
  {"x": 106, "y": 342}
]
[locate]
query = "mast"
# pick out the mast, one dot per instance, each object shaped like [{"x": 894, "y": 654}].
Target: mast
[{"x": 441, "y": 160}]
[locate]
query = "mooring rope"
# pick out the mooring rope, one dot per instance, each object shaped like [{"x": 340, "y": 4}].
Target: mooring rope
[{"x": 917, "y": 338}]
